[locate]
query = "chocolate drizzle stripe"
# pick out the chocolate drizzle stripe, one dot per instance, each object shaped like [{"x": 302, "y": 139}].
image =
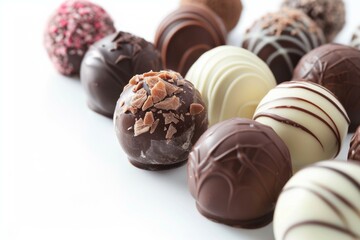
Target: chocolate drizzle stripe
[
  {"x": 341, "y": 198},
  {"x": 330, "y": 226},
  {"x": 291, "y": 85},
  {"x": 322, "y": 198},
  {"x": 337, "y": 135},
  {"x": 353, "y": 181},
  {"x": 288, "y": 122}
]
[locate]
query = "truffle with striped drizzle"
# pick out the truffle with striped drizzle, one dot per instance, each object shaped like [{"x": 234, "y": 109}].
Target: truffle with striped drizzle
[
  {"x": 232, "y": 82},
  {"x": 236, "y": 171},
  {"x": 320, "y": 202},
  {"x": 308, "y": 117},
  {"x": 185, "y": 34},
  {"x": 281, "y": 39}
]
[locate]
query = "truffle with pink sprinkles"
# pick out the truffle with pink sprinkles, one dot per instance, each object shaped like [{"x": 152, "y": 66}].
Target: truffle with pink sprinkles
[{"x": 74, "y": 26}]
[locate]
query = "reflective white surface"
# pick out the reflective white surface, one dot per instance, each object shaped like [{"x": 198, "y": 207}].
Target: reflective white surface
[{"x": 62, "y": 173}]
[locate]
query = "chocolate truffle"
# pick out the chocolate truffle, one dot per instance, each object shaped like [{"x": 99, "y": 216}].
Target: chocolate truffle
[
  {"x": 320, "y": 202},
  {"x": 158, "y": 118},
  {"x": 354, "y": 151},
  {"x": 229, "y": 11},
  {"x": 336, "y": 67},
  {"x": 355, "y": 41},
  {"x": 232, "y": 82},
  {"x": 185, "y": 34},
  {"x": 308, "y": 118},
  {"x": 74, "y": 26},
  {"x": 110, "y": 63},
  {"x": 236, "y": 171},
  {"x": 329, "y": 15},
  {"x": 281, "y": 39}
]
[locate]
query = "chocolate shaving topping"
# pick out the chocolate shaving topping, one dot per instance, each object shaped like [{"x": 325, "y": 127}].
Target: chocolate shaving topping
[
  {"x": 140, "y": 127},
  {"x": 151, "y": 81},
  {"x": 138, "y": 86},
  {"x": 171, "y": 131},
  {"x": 148, "y": 103},
  {"x": 150, "y": 74},
  {"x": 170, "y": 118},
  {"x": 172, "y": 103},
  {"x": 170, "y": 88},
  {"x": 196, "y": 108},
  {"x": 139, "y": 98},
  {"x": 158, "y": 92},
  {"x": 149, "y": 118},
  {"x": 154, "y": 126}
]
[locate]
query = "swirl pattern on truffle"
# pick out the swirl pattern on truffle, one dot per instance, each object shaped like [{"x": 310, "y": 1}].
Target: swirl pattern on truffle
[
  {"x": 335, "y": 67},
  {"x": 280, "y": 39},
  {"x": 236, "y": 171},
  {"x": 185, "y": 34},
  {"x": 232, "y": 82},
  {"x": 320, "y": 202},
  {"x": 309, "y": 119},
  {"x": 110, "y": 63}
]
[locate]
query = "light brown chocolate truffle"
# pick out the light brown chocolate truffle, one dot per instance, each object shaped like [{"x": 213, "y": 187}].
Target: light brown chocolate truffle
[{"x": 228, "y": 10}]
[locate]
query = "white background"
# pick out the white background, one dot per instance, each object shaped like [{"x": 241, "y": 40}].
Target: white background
[{"x": 62, "y": 173}]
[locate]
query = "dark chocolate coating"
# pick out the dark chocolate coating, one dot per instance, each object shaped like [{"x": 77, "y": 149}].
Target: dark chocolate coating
[
  {"x": 336, "y": 67},
  {"x": 236, "y": 172},
  {"x": 169, "y": 143},
  {"x": 280, "y": 39},
  {"x": 329, "y": 15},
  {"x": 185, "y": 34},
  {"x": 354, "y": 151},
  {"x": 110, "y": 63}
]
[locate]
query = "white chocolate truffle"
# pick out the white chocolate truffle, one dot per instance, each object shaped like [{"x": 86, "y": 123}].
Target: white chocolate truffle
[
  {"x": 308, "y": 118},
  {"x": 321, "y": 202},
  {"x": 232, "y": 82}
]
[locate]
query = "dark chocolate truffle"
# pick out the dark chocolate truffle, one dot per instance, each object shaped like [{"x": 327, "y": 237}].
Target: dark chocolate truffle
[
  {"x": 281, "y": 39},
  {"x": 354, "y": 151},
  {"x": 158, "y": 118},
  {"x": 229, "y": 11},
  {"x": 336, "y": 67},
  {"x": 185, "y": 34},
  {"x": 74, "y": 26},
  {"x": 236, "y": 172},
  {"x": 110, "y": 63},
  {"x": 329, "y": 15}
]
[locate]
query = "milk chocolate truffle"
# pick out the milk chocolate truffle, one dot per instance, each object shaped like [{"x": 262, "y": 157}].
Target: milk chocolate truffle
[
  {"x": 229, "y": 11},
  {"x": 74, "y": 26},
  {"x": 329, "y": 15},
  {"x": 232, "y": 82},
  {"x": 158, "y": 118},
  {"x": 308, "y": 118},
  {"x": 320, "y": 202},
  {"x": 110, "y": 63},
  {"x": 280, "y": 39},
  {"x": 236, "y": 171},
  {"x": 336, "y": 67},
  {"x": 354, "y": 151},
  {"x": 355, "y": 41},
  {"x": 185, "y": 34}
]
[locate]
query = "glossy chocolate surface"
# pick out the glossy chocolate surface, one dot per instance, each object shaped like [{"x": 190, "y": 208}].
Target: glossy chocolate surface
[
  {"x": 110, "y": 63},
  {"x": 280, "y": 39},
  {"x": 158, "y": 118},
  {"x": 335, "y": 67},
  {"x": 185, "y": 34},
  {"x": 354, "y": 151},
  {"x": 236, "y": 171}
]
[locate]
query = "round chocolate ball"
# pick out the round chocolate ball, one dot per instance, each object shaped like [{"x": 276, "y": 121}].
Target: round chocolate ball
[
  {"x": 354, "y": 151},
  {"x": 110, "y": 63},
  {"x": 320, "y": 202},
  {"x": 280, "y": 39},
  {"x": 232, "y": 82},
  {"x": 74, "y": 26},
  {"x": 308, "y": 118},
  {"x": 329, "y": 15},
  {"x": 229, "y": 11},
  {"x": 185, "y": 34},
  {"x": 335, "y": 67},
  {"x": 236, "y": 171},
  {"x": 158, "y": 118}
]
